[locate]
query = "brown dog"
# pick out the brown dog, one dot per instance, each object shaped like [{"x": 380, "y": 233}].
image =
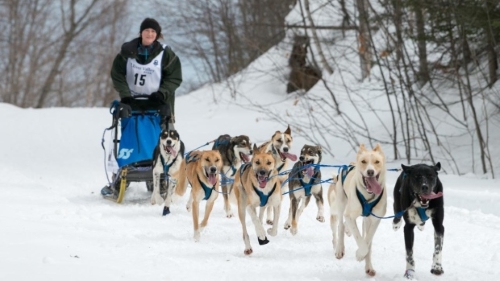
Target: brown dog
[
  {"x": 202, "y": 170},
  {"x": 280, "y": 146},
  {"x": 256, "y": 185}
]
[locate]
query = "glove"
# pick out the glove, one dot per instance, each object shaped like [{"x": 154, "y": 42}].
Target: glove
[
  {"x": 127, "y": 100},
  {"x": 157, "y": 97}
]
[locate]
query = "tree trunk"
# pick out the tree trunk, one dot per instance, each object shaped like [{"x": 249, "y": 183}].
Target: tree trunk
[{"x": 365, "y": 50}]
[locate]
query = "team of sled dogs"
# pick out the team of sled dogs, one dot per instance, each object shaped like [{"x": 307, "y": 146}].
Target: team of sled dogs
[{"x": 253, "y": 178}]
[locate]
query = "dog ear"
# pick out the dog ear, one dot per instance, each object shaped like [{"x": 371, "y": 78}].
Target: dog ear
[
  {"x": 438, "y": 166},
  {"x": 255, "y": 149},
  {"x": 288, "y": 131},
  {"x": 378, "y": 148},
  {"x": 362, "y": 147},
  {"x": 406, "y": 169},
  {"x": 320, "y": 149}
]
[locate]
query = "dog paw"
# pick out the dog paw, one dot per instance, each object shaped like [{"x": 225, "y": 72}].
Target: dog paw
[
  {"x": 196, "y": 236},
  {"x": 437, "y": 270},
  {"x": 287, "y": 225},
  {"x": 371, "y": 272},
  {"x": 294, "y": 230},
  {"x": 166, "y": 211},
  {"x": 339, "y": 253},
  {"x": 248, "y": 252},
  {"x": 188, "y": 208},
  {"x": 396, "y": 225},
  {"x": 229, "y": 214},
  {"x": 347, "y": 232},
  {"x": 263, "y": 241},
  {"x": 421, "y": 226},
  {"x": 273, "y": 232},
  {"x": 269, "y": 222},
  {"x": 320, "y": 218},
  {"x": 361, "y": 253},
  {"x": 409, "y": 274}
]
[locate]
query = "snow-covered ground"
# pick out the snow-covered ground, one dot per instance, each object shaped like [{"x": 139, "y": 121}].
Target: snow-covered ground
[{"x": 56, "y": 226}]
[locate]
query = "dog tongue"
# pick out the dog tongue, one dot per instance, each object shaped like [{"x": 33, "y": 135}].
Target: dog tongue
[
  {"x": 310, "y": 172},
  {"x": 212, "y": 179},
  {"x": 262, "y": 181},
  {"x": 373, "y": 185},
  {"x": 433, "y": 195},
  {"x": 171, "y": 150},
  {"x": 244, "y": 157},
  {"x": 290, "y": 156}
]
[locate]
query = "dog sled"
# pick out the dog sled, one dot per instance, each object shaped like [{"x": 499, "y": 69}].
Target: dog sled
[{"x": 134, "y": 130}]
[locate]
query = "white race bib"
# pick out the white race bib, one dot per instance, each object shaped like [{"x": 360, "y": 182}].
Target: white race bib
[{"x": 144, "y": 79}]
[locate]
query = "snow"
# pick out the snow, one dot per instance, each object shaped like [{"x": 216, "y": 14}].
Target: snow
[{"x": 55, "y": 225}]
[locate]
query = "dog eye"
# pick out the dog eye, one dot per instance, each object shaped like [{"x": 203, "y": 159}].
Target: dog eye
[
  {"x": 216, "y": 160},
  {"x": 377, "y": 162},
  {"x": 279, "y": 140},
  {"x": 269, "y": 163},
  {"x": 364, "y": 161},
  {"x": 207, "y": 159},
  {"x": 257, "y": 162},
  {"x": 163, "y": 137}
]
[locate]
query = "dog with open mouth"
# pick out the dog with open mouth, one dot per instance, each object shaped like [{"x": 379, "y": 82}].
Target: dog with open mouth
[
  {"x": 419, "y": 194},
  {"x": 256, "y": 185},
  {"x": 304, "y": 181},
  {"x": 235, "y": 151},
  {"x": 203, "y": 173},
  {"x": 168, "y": 159},
  {"x": 359, "y": 190},
  {"x": 280, "y": 146}
]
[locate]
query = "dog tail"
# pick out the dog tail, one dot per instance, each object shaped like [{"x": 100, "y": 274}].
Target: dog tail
[{"x": 182, "y": 183}]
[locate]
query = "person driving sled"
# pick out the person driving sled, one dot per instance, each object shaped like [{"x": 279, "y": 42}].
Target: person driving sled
[
  {"x": 146, "y": 74},
  {"x": 145, "y": 67}
]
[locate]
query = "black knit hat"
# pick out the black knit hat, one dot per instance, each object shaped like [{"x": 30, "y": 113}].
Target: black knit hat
[{"x": 151, "y": 23}]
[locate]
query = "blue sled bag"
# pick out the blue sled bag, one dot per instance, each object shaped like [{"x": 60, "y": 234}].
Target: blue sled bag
[{"x": 139, "y": 137}]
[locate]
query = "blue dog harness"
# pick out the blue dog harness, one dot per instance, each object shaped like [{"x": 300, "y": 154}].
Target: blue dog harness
[
  {"x": 308, "y": 186},
  {"x": 264, "y": 198},
  {"x": 368, "y": 206},
  {"x": 165, "y": 166},
  {"x": 208, "y": 190}
]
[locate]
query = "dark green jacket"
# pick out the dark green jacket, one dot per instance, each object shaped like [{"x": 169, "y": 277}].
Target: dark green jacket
[{"x": 171, "y": 74}]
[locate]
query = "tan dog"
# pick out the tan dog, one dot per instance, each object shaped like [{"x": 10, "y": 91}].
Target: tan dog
[
  {"x": 280, "y": 146},
  {"x": 365, "y": 182},
  {"x": 256, "y": 185},
  {"x": 202, "y": 169},
  {"x": 168, "y": 159}
]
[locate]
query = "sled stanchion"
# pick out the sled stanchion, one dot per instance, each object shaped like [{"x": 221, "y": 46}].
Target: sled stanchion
[{"x": 123, "y": 186}]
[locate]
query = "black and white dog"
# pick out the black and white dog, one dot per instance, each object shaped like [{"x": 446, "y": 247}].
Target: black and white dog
[
  {"x": 419, "y": 194},
  {"x": 168, "y": 159},
  {"x": 304, "y": 181},
  {"x": 235, "y": 151}
]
